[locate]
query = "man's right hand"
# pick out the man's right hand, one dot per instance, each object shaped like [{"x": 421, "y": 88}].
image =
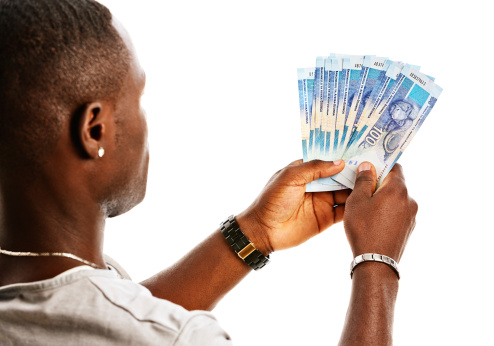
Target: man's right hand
[
  {"x": 376, "y": 222},
  {"x": 379, "y": 221}
]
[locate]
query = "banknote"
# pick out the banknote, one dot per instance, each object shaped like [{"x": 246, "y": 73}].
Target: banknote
[
  {"x": 317, "y": 186},
  {"x": 411, "y": 134},
  {"x": 350, "y": 76},
  {"x": 318, "y": 107},
  {"x": 326, "y": 138},
  {"x": 306, "y": 97},
  {"x": 383, "y": 84},
  {"x": 393, "y": 124},
  {"x": 337, "y": 67},
  {"x": 361, "y": 108},
  {"x": 380, "y": 87},
  {"x": 332, "y": 67},
  {"x": 332, "y": 70},
  {"x": 330, "y": 108},
  {"x": 373, "y": 71}
]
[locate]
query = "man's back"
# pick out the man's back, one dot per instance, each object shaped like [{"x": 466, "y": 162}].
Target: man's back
[{"x": 96, "y": 307}]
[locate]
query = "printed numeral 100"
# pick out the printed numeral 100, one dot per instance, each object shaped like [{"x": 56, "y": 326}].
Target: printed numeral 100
[{"x": 374, "y": 135}]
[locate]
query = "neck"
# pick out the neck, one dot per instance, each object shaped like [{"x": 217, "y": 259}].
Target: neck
[{"x": 43, "y": 215}]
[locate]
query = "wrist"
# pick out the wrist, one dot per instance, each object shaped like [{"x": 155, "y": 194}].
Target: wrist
[
  {"x": 375, "y": 272},
  {"x": 357, "y": 251},
  {"x": 253, "y": 229},
  {"x": 375, "y": 258},
  {"x": 371, "y": 310}
]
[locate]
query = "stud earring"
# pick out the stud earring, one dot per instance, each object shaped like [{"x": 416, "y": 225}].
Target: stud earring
[{"x": 101, "y": 152}]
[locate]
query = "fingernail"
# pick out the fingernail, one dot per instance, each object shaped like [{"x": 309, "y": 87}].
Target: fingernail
[
  {"x": 337, "y": 162},
  {"x": 364, "y": 167}
]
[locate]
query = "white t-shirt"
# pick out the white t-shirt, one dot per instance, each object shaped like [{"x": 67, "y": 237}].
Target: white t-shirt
[{"x": 85, "y": 306}]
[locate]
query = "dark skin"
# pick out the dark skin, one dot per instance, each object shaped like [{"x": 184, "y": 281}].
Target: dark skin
[
  {"x": 283, "y": 216},
  {"x": 390, "y": 222},
  {"x": 63, "y": 208}
]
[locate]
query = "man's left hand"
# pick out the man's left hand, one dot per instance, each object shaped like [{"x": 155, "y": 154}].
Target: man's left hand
[{"x": 284, "y": 215}]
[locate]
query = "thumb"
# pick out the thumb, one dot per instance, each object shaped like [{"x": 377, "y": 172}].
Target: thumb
[
  {"x": 309, "y": 171},
  {"x": 366, "y": 180}
]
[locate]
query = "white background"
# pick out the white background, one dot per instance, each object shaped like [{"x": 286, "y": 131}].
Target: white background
[{"x": 222, "y": 108}]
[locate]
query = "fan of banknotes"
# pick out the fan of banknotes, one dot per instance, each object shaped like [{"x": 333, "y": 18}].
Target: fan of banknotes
[{"x": 361, "y": 108}]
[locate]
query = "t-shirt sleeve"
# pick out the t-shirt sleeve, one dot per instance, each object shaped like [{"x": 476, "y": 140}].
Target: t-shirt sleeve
[{"x": 204, "y": 330}]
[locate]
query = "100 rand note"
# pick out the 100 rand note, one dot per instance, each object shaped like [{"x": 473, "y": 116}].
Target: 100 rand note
[
  {"x": 376, "y": 88},
  {"x": 373, "y": 72},
  {"x": 411, "y": 134},
  {"x": 347, "y": 90},
  {"x": 306, "y": 90},
  {"x": 330, "y": 109},
  {"x": 318, "y": 107},
  {"x": 380, "y": 87},
  {"x": 399, "y": 112},
  {"x": 332, "y": 69}
]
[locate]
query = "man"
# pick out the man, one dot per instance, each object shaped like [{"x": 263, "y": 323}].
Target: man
[{"x": 73, "y": 151}]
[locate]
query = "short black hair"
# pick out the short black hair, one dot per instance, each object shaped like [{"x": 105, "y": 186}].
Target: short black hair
[{"x": 55, "y": 56}]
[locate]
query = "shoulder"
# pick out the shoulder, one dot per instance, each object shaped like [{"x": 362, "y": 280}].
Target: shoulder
[
  {"x": 134, "y": 301},
  {"x": 98, "y": 307}
]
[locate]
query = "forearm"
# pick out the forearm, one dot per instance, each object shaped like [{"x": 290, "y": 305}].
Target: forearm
[
  {"x": 282, "y": 217},
  {"x": 369, "y": 319},
  {"x": 206, "y": 274}
]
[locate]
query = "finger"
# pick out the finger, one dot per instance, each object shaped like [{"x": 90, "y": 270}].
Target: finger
[
  {"x": 365, "y": 184},
  {"x": 395, "y": 175},
  {"x": 396, "y": 171},
  {"x": 296, "y": 162},
  {"x": 315, "y": 169},
  {"x": 326, "y": 197},
  {"x": 331, "y": 198},
  {"x": 339, "y": 213},
  {"x": 341, "y": 196}
]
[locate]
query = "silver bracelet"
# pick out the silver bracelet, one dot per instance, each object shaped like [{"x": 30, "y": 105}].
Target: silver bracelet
[{"x": 376, "y": 258}]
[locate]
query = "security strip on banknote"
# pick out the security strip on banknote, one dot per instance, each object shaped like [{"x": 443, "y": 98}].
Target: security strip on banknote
[{"x": 361, "y": 108}]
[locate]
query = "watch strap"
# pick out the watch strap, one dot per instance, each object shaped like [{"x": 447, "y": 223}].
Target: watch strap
[{"x": 242, "y": 246}]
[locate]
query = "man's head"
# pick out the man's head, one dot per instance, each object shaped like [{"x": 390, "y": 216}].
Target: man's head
[
  {"x": 69, "y": 83},
  {"x": 54, "y": 56}
]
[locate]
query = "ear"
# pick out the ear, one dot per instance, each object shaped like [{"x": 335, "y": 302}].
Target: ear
[{"x": 94, "y": 128}]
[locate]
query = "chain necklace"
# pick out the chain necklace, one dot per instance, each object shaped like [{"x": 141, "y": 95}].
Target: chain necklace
[{"x": 47, "y": 254}]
